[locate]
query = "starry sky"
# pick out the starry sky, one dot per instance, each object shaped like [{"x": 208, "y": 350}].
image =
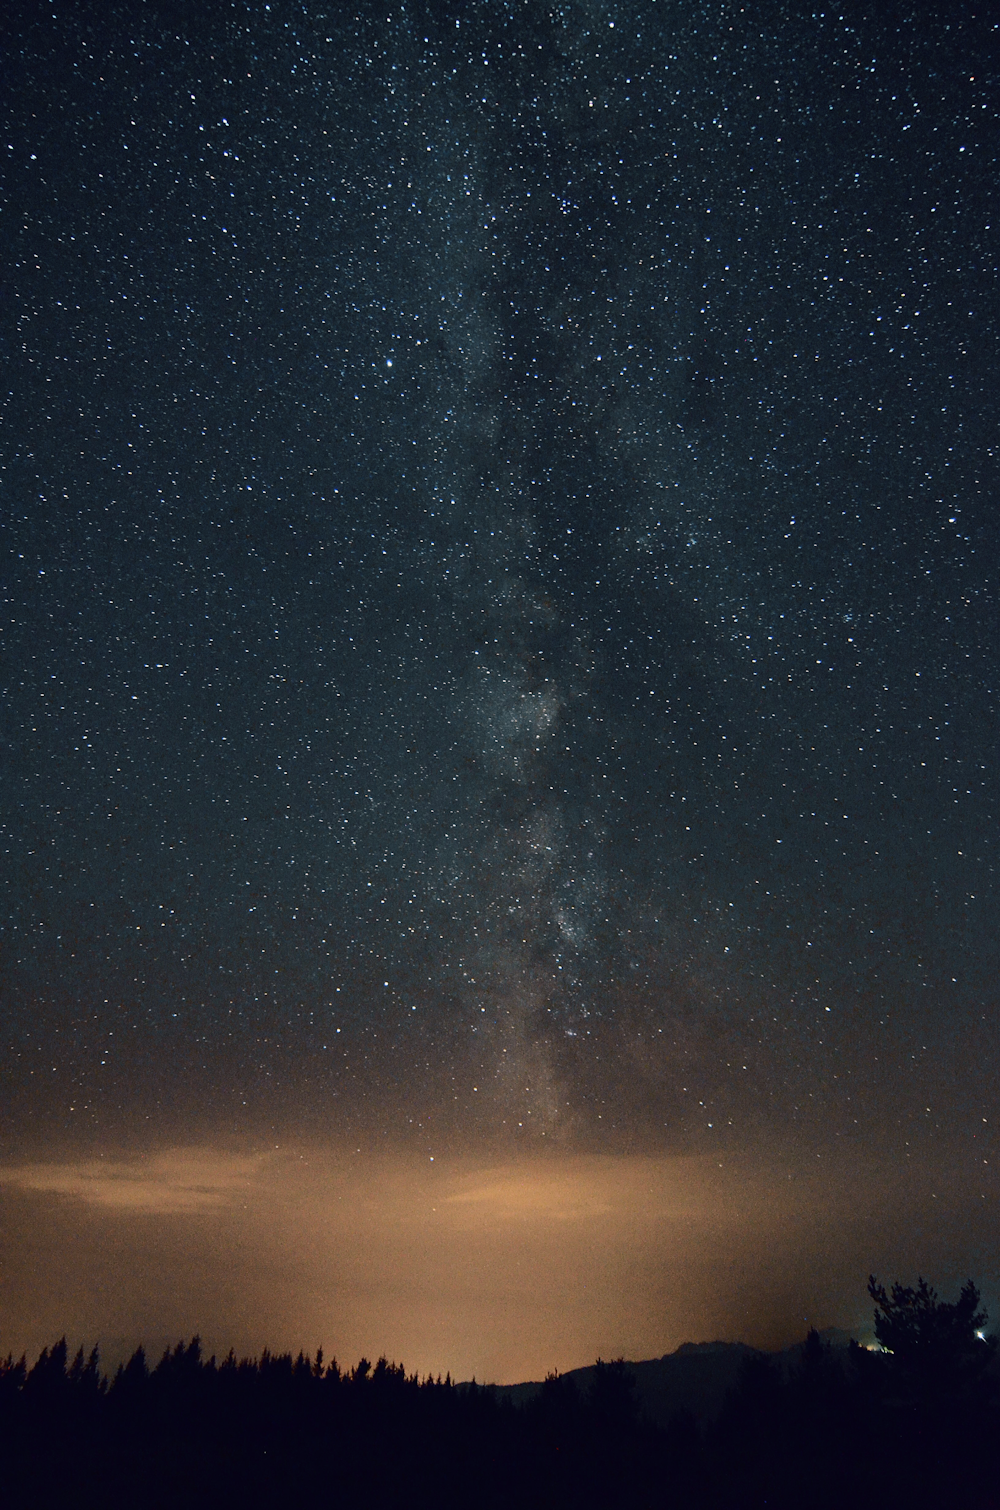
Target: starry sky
[{"x": 499, "y": 587}]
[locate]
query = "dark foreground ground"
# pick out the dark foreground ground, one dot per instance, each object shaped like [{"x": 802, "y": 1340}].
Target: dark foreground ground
[{"x": 819, "y": 1427}]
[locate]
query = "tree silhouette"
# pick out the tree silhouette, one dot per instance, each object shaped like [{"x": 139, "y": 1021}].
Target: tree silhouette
[
  {"x": 936, "y": 1348},
  {"x": 935, "y": 1412}
]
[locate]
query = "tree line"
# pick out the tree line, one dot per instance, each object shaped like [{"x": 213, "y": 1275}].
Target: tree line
[{"x": 914, "y": 1424}]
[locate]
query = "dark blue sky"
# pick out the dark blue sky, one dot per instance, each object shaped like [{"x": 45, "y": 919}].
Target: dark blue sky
[{"x": 499, "y": 574}]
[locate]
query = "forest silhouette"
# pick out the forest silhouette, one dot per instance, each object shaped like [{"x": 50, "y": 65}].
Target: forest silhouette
[{"x": 914, "y": 1423}]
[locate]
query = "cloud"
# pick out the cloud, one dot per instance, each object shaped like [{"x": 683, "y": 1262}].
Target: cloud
[
  {"x": 174, "y": 1182},
  {"x": 528, "y": 1196},
  {"x": 579, "y": 1188}
]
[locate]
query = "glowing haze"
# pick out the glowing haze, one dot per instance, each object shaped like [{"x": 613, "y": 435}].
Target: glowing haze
[{"x": 502, "y": 1270}]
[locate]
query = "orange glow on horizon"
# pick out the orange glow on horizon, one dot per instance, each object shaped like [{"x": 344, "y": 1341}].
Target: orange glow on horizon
[{"x": 502, "y": 1270}]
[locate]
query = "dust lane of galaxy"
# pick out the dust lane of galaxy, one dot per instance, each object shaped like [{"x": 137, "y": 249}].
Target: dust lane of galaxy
[{"x": 499, "y": 582}]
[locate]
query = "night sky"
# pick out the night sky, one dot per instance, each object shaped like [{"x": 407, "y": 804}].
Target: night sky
[{"x": 500, "y": 636}]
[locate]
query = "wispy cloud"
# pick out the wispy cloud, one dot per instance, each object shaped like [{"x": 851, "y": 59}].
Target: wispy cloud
[
  {"x": 514, "y": 1195},
  {"x": 169, "y": 1183}
]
